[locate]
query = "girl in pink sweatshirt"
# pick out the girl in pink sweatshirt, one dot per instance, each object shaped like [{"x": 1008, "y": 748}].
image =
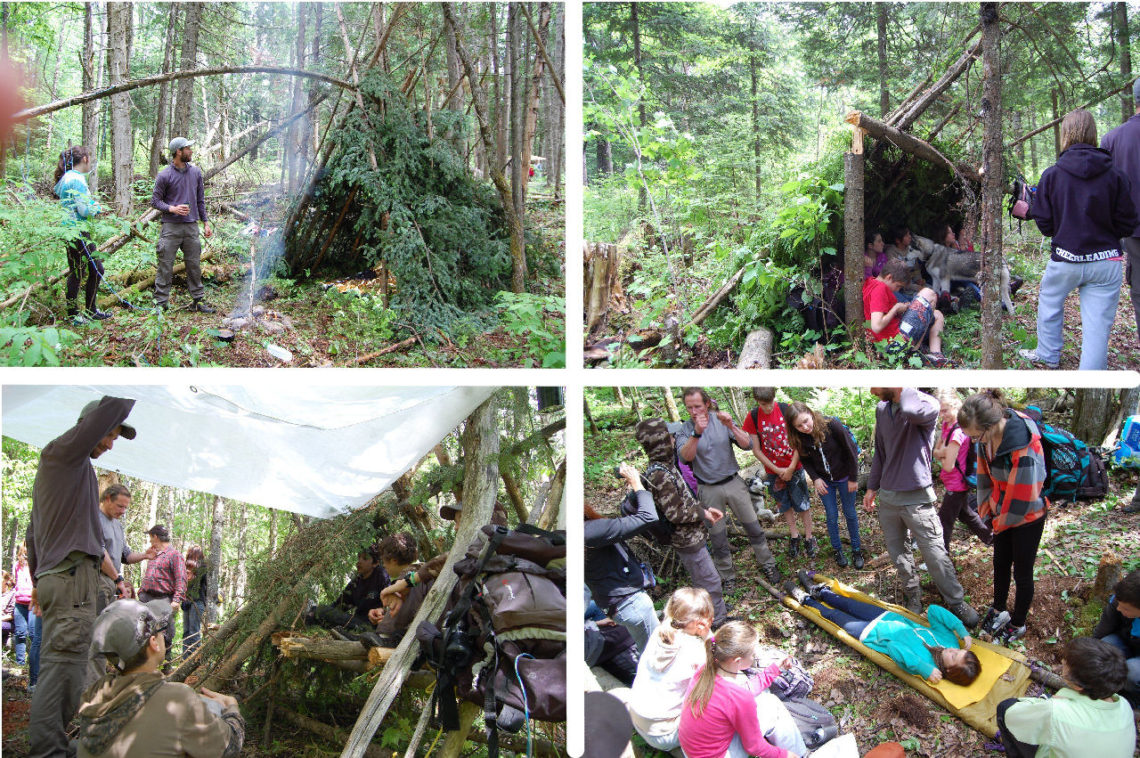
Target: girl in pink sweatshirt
[{"x": 720, "y": 718}]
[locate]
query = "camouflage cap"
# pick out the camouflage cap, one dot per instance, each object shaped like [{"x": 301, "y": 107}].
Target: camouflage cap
[{"x": 125, "y": 626}]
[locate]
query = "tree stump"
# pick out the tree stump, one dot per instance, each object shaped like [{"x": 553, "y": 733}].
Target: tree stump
[
  {"x": 602, "y": 280},
  {"x": 757, "y": 350},
  {"x": 1107, "y": 575}
]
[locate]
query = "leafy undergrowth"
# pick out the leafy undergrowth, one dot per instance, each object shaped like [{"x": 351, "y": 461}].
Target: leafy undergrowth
[
  {"x": 329, "y": 328},
  {"x": 867, "y": 701}
]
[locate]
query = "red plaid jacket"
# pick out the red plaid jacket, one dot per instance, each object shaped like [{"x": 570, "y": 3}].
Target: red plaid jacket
[
  {"x": 1009, "y": 486},
  {"x": 166, "y": 575}
]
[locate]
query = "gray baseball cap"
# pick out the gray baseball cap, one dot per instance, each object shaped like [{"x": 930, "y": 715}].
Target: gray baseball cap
[
  {"x": 125, "y": 430},
  {"x": 124, "y": 628},
  {"x": 178, "y": 143}
]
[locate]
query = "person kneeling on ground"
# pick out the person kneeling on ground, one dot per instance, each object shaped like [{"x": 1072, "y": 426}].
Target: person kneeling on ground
[
  {"x": 135, "y": 713},
  {"x": 916, "y": 323},
  {"x": 361, "y": 595},
  {"x": 723, "y": 717},
  {"x": 1086, "y": 718},
  {"x": 1119, "y": 626},
  {"x": 398, "y": 556},
  {"x": 939, "y": 651}
]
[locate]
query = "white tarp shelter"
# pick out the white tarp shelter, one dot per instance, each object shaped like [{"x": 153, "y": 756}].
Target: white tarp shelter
[{"x": 316, "y": 450}]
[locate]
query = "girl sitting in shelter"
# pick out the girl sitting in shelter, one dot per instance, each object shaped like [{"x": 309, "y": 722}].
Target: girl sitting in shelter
[
  {"x": 723, "y": 716},
  {"x": 675, "y": 651},
  {"x": 940, "y": 651}
]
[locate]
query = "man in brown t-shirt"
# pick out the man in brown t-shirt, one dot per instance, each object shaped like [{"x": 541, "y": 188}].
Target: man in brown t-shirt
[{"x": 179, "y": 192}]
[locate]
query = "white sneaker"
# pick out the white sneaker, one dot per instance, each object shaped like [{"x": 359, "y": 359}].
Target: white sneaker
[{"x": 1032, "y": 357}]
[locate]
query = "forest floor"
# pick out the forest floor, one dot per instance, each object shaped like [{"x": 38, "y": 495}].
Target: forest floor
[
  {"x": 322, "y": 321},
  {"x": 866, "y": 700}
]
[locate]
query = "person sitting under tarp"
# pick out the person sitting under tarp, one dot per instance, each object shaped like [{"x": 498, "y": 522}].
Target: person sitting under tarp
[
  {"x": 398, "y": 557},
  {"x": 939, "y": 651},
  {"x": 350, "y": 612}
]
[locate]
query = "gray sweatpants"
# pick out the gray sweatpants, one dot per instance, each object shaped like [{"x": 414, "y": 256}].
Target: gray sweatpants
[
  {"x": 175, "y": 236},
  {"x": 1131, "y": 247},
  {"x": 67, "y": 601},
  {"x": 923, "y": 522},
  {"x": 734, "y": 496},
  {"x": 701, "y": 570}
]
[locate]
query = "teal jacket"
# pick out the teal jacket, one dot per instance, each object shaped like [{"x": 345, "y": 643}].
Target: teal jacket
[
  {"x": 75, "y": 197},
  {"x": 905, "y": 641}
]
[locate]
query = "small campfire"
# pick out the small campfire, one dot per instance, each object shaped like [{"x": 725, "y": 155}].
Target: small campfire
[{"x": 265, "y": 320}]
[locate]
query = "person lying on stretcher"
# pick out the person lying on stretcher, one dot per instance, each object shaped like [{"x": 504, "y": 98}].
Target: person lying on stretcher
[{"x": 939, "y": 651}]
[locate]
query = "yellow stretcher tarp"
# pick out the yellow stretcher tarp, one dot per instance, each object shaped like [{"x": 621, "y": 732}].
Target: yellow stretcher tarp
[{"x": 1005, "y": 673}]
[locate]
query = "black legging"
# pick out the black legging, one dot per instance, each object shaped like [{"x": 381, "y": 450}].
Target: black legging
[
  {"x": 956, "y": 507},
  {"x": 81, "y": 262},
  {"x": 1014, "y": 748},
  {"x": 1016, "y": 548}
]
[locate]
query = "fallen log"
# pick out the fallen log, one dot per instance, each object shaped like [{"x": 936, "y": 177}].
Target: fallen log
[
  {"x": 137, "y": 288},
  {"x": 319, "y": 649},
  {"x": 927, "y": 99},
  {"x": 86, "y": 97},
  {"x": 908, "y": 143},
  {"x": 757, "y": 349},
  {"x": 390, "y": 349},
  {"x": 329, "y": 733},
  {"x": 703, "y": 312}
]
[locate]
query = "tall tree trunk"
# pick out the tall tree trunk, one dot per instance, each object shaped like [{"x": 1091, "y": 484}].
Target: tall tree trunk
[
  {"x": 1123, "y": 43},
  {"x": 272, "y": 533},
  {"x": 119, "y": 17},
  {"x": 853, "y": 243},
  {"x": 55, "y": 82},
  {"x": 515, "y": 63},
  {"x": 533, "y": 92},
  {"x": 635, "y": 23},
  {"x": 1057, "y": 125},
  {"x": 217, "y": 525},
  {"x": 670, "y": 403},
  {"x": 92, "y": 65},
  {"x": 161, "y": 139},
  {"x": 556, "y": 111},
  {"x": 605, "y": 156},
  {"x": 188, "y": 61},
  {"x": 240, "y": 579},
  {"x": 993, "y": 188},
  {"x": 496, "y": 78},
  {"x": 882, "y": 18},
  {"x": 498, "y": 177},
  {"x": 753, "y": 66},
  {"x": 298, "y": 132},
  {"x": 1093, "y": 413}
]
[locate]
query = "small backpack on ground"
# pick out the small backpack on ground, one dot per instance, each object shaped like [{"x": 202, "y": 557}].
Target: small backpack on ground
[
  {"x": 1074, "y": 471},
  {"x": 1021, "y": 201},
  {"x": 816, "y": 724},
  {"x": 502, "y": 641}
]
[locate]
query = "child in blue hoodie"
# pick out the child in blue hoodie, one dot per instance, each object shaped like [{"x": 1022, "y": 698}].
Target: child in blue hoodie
[
  {"x": 80, "y": 204},
  {"x": 1083, "y": 202}
]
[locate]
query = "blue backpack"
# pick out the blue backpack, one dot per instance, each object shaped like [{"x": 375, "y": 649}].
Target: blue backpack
[
  {"x": 1074, "y": 471},
  {"x": 1127, "y": 451}
]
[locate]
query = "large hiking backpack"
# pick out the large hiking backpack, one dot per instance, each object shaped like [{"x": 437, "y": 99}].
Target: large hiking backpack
[
  {"x": 502, "y": 641},
  {"x": 1074, "y": 471}
]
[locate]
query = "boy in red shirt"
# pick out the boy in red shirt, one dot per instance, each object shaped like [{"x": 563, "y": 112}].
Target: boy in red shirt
[
  {"x": 920, "y": 322},
  {"x": 767, "y": 424}
]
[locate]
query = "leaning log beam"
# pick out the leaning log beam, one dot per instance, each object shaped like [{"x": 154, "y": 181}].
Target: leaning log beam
[
  {"x": 931, "y": 95},
  {"x": 481, "y": 483},
  {"x": 711, "y": 304},
  {"x": 908, "y": 143},
  {"x": 99, "y": 94},
  {"x": 328, "y": 733},
  {"x": 1098, "y": 99}
]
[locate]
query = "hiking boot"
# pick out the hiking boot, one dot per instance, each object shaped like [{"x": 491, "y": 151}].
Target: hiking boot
[
  {"x": 791, "y": 590},
  {"x": 994, "y": 622},
  {"x": 1134, "y": 506},
  {"x": 811, "y": 547},
  {"x": 857, "y": 559},
  {"x": 79, "y": 320},
  {"x": 967, "y": 615},
  {"x": 727, "y": 585},
  {"x": 793, "y": 547},
  {"x": 201, "y": 306},
  {"x": 1015, "y": 283},
  {"x": 1011, "y": 634},
  {"x": 912, "y": 600},
  {"x": 1032, "y": 357},
  {"x": 772, "y": 574},
  {"x": 841, "y": 559},
  {"x": 805, "y": 578},
  {"x": 98, "y": 315}
]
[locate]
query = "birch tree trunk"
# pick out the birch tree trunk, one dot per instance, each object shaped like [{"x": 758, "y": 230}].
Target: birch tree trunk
[
  {"x": 160, "y": 139},
  {"x": 670, "y": 403},
  {"x": 217, "y": 524},
  {"x": 993, "y": 188},
  {"x": 188, "y": 61},
  {"x": 119, "y": 16}
]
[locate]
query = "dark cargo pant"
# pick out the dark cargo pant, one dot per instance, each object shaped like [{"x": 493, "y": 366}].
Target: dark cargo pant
[
  {"x": 175, "y": 236},
  {"x": 67, "y": 601},
  {"x": 104, "y": 596}
]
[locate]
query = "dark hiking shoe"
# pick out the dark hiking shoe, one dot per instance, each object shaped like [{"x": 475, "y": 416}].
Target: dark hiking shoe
[
  {"x": 857, "y": 559},
  {"x": 772, "y": 574},
  {"x": 98, "y": 315},
  {"x": 1134, "y": 506},
  {"x": 811, "y": 547},
  {"x": 841, "y": 559},
  {"x": 1010, "y": 634},
  {"x": 202, "y": 307},
  {"x": 912, "y": 600},
  {"x": 793, "y": 591},
  {"x": 805, "y": 578},
  {"x": 793, "y": 547},
  {"x": 967, "y": 615},
  {"x": 994, "y": 622}
]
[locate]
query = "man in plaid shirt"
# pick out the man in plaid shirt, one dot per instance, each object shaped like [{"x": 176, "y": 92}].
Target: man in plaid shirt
[{"x": 165, "y": 577}]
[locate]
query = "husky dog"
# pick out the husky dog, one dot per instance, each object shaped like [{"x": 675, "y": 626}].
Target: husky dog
[{"x": 945, "y": 264}]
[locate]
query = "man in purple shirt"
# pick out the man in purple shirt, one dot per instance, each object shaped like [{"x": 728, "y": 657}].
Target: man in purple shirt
[
  {"x": 1123, "y": 143},
  {"x": 180, "y": 194}
]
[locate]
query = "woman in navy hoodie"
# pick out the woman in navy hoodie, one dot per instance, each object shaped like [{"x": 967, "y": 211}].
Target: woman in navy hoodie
[{"x": 1084, "y": 204}]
